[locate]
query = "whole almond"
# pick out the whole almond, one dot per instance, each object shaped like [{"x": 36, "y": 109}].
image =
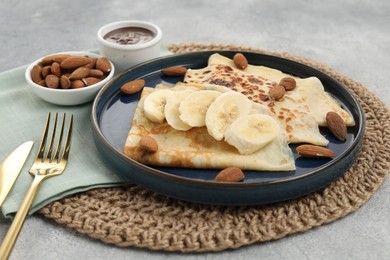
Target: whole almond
[
  {"x": 77, "y": 84},
  {"x": 52, "y": 81},
  {"x": 79, "y": 73},
  {"x": 230, "y": 174},
  {"x": 95, "y": 73},
  {"x": 92, "y": 63},
  {"x": 277, "y": 92},
  {"x": 336, "y": 125},
  {"x": 46, "y": 71},
  {"x": 174, "y": 71},
  {"x": 36, "y": 74},
  {"x": 65, "y": 82},
  {"x": 288, "y": 83},
  {"x": 55, "y": 69},
  {"x": 48, "y": 60},
  {"x": 103, "y": 64},
  {"x": 42, "y": 83},
  {"x": 74, "y": 62},
  {"x": 133, "y": 86},
  {"x": 88, "y": 81},
  {"x": 148, "y": 144},
  {"x": 314, "y": 151},
  {"x": 240, "y": 61}
]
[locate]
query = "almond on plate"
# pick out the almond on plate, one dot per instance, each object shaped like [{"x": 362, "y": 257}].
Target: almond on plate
[
  {"x": 133, "y": 86},
  {"x": 314, "y": 151},
  {"x": 240, "y": 61},
  {"x": 288, "y": 83},
  {"x": 277, "y": 92},
  {"x": 230, "y": 174},
  {"x": 336, "y": 125},
  {"x": 174, "y": 71}
]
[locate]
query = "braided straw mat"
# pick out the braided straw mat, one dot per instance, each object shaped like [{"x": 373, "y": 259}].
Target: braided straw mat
[{"x": 137, "y": 217}]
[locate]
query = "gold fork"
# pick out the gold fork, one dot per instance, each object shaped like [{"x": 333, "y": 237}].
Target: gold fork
[{"x": 50, "y": 161}]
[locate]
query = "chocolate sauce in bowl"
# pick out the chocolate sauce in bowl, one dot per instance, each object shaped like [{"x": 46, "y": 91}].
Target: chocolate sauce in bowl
[{"x": 129, "y": 35}]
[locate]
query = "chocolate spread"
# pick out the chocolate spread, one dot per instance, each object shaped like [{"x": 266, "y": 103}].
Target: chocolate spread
[{"x": 129, "y": 35}]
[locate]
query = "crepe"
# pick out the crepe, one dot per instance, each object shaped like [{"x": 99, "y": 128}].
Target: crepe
[
  {"x": 195, "y": 148},
  {"x": 310, "y": 89},
  {"x": 300, "y": 112}
]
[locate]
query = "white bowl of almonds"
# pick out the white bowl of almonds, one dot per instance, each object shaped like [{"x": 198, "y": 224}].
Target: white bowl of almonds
[{"x": 69, "y": 78}]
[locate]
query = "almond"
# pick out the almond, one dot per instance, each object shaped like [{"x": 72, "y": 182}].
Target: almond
[
  {"x": 48, "y": 60},
  {"x": 174, "y": 71},
  {"x": 263, "y": 97},
  {"x": 314, "y": 151},
  {"x": 55, "y": 69},
  {"x": 77, "y": 84},
  {"x": 336, "y": 125},
  {"x": 240, "y": 61},
  {"x": 96, "y": 73},
  {"x": 46, "y": 71},
  {"x": 92, "y": 63},
  {"x": 79, "y": 73},
  {"x": 36, "y": 74},
  {"x": 52, "y": 81},
  {"x": 148, "y": 144},
  {"x": 288, "y": 83},
  {"x": 230, "y": 174},
  {"x": 74, "y": 62},
  {"x": 88, "y": 81},
  {"x": 65, "y": 82},
  {"x": 103, "y": 64},
  {"x": 133, "y": 86},
  {"x": 42, "y": 83},
  {"x": 277, "y": 92}
]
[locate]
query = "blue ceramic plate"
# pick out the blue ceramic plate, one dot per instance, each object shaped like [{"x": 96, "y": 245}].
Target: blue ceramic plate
[{"x": 113, "y": 112}]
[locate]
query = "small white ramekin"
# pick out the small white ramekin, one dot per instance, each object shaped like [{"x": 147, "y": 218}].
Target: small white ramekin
[{"x": 126, "y": 56}]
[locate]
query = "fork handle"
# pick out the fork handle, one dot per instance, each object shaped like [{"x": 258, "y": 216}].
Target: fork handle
[{"x": 16, "y": 226}]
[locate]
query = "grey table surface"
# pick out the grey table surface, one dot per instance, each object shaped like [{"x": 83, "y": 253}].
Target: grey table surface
[{"x": 350, "y": 36}]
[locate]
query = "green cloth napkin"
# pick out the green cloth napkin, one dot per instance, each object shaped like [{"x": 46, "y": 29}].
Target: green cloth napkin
[{"x": 22, "y": 117}]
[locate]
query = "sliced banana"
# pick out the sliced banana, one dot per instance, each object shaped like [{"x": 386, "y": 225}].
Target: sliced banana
[
  {"x": 252, "y": 132},
  {"x": 154, "y": 105},
  {"x": 260, "y": 109},
  {"x": 171, "y": 110},
  {"x": 194, "y": 107},
  {"x": 224, "y": 110}
]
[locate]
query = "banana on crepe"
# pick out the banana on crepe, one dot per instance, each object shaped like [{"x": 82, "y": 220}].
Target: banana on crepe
[
  {"x": 207, "y": 127},
  {"x": 300, "y": 111}
]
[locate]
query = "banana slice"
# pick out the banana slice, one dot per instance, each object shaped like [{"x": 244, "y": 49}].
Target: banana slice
[
  {"x": 261, "y": 109},
  {"x": 194, "y": 107},
  {"x": 154, "y": 105},
  {"x": 224, "y": 110},
  {"x": 171, "y": 110},
  {"x": 250, "y": 133}
]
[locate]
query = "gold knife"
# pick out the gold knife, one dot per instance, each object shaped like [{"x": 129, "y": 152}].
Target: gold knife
[{"x": 11, "y": 167}]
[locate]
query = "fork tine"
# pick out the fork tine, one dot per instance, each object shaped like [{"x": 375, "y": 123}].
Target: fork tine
[
  {"x": 65, "y": 154},
  {"x": 42, "y": 145},
  {"x": 51, "y": 144},
  {"x": 58, "y": 147}
]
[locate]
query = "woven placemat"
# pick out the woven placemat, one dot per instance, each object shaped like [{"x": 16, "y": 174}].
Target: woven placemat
[{"x": 134, "y": 216}]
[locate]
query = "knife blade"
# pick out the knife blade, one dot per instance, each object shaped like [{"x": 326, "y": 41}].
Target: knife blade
[{"x": 11, "y": 167}]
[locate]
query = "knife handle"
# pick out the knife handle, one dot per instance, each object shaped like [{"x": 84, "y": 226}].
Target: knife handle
[{"x": 17, "y": 224}]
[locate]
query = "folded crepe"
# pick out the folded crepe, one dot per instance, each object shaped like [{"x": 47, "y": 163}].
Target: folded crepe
[
  {"x": 195, "y": 148},
  {"x": 300, "y": 112}
]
